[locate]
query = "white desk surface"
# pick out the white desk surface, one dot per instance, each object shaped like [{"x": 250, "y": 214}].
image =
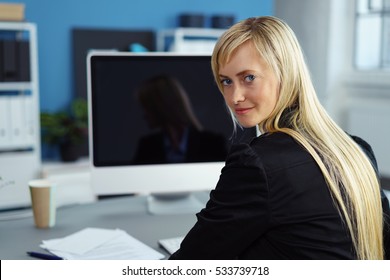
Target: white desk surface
[{"x": 127, "y": 213}]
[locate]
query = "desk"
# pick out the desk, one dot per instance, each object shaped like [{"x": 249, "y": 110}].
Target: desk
[{"x": 127, "y": 213}]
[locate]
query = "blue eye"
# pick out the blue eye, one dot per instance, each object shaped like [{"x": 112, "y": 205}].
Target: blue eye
[
  {"x": 249, "y": 78},
  {"x": 226, "y": 82}
]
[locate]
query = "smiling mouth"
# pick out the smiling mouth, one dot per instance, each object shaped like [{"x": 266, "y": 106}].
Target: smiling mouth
[{"x": 242, "y": 111}]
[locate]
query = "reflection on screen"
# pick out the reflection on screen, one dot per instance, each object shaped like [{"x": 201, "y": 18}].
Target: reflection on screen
[
  {"x": 156, "y": 110},
  {"x": 177, "y": 136}
]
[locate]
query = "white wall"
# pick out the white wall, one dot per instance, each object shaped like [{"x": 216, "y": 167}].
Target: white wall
[
  {"x": 309, "y": 20},
  {"x": 358, "y": 101}
]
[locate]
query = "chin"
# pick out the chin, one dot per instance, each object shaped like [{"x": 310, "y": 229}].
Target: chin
[
  {"x": 248, "y": 125},
  {"x": 248, "y": 122}
]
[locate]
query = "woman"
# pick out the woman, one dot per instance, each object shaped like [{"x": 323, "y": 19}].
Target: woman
[{"x": 303, "y": 189}]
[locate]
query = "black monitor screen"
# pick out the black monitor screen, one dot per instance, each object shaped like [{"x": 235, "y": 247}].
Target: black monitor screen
[{"x": 156, "y": 109}]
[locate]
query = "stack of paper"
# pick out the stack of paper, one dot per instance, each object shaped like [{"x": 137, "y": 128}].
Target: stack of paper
[{"x": 103, "y": 244}]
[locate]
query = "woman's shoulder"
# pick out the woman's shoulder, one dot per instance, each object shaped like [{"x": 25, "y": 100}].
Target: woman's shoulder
[
  {"x": 274, "y": 138},
  {"x": 270, "y": 149},
  {"x": 268, "y": 142},
  {"x": 276, "y": 143}
]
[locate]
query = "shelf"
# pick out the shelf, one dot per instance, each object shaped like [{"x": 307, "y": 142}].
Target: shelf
[
  {"x": 16, "y": 86},
  {"x": 182, "y": 34},
  {"x": 16, "y": 26},
  {"x": 17, "y": 149},
  {"x": 20, "y": 145},
  {"x": 194, "y": 32}
]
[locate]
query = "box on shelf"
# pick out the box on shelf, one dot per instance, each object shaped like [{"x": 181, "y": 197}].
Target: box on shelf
[
  {"x": 11, "y": 12},
  {"x": 222, "y": 21},
  {"x": 192, "y": 20}
]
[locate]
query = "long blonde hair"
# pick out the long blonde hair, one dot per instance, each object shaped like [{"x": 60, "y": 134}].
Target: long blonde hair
[{"x": 348, "y": 172}]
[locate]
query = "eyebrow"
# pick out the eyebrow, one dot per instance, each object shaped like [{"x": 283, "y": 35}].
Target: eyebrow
[{"x": 241, "y": 73}]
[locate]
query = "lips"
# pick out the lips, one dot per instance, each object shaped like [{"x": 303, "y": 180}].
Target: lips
[{"x": 242, "y": 111}]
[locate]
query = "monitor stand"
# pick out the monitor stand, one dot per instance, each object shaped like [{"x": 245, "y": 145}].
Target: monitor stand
[{"x": 173, "y": 203}]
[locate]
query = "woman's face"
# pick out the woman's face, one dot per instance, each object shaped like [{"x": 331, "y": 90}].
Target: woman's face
[{"x": 250, "y": 87}]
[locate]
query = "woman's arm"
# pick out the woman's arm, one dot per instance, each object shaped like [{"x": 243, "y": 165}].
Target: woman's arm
[{"x": 236, "y": 214}]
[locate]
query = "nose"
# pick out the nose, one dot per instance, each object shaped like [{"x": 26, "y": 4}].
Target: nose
[{"x": 238, "y": 95}]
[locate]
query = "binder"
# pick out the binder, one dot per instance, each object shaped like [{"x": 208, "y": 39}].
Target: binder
[
  {"x": 9, "y": 61},
  {"x": 23, "y": 64},
  {"x": 5, "y": 133},
  {"x": 17, "y": 124},
  {"x": 29, "y": 119},
  {"x": 1, "y": 61},
  {"x": 15, "y": 61}
]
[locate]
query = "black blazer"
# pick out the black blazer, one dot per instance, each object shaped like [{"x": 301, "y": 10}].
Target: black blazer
[{"x": 271, "y": 202}]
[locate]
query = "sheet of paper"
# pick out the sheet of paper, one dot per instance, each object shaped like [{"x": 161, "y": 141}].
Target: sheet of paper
[
  {"x": 120, "y": 246},
  {"x": 81, "y": 241}
]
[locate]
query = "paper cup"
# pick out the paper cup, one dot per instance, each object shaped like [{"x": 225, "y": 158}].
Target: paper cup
[{"x": 43, "y": 203}]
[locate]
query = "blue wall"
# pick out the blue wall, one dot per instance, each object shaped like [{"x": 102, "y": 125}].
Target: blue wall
[{"x": 55, "y": 19}]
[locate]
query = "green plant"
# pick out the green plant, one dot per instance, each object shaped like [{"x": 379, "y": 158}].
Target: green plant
[{"x": 66, "y": 127}]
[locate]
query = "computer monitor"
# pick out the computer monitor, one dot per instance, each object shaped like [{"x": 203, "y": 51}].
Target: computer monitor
[{"x": 134, "y": 99}]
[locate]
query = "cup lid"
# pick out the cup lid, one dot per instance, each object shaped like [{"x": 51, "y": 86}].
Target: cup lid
[{"x": 37, "y": 183}]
